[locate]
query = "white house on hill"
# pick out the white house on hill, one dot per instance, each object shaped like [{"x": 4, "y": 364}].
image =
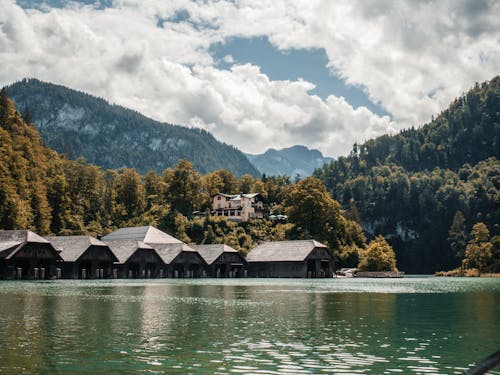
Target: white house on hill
[{"x": 238, "y": 207}]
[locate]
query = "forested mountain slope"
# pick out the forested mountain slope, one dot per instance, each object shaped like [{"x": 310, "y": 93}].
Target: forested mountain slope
[
  {"x": 409, "y": 186},
  {"x": 80, "y": 125}
]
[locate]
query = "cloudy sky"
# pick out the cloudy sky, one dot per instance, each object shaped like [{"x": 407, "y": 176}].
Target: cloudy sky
[{"x": 260, "y": 74}]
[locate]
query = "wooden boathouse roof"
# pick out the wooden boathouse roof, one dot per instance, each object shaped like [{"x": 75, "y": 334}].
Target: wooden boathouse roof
[
  {"x": 73, "y": 247},
  {"x": 146, "y": 234},
  {"x": 124, "y": 249},
  {"x": 168, "y": 252},
  {"x": 210, "y": 253},
  {"x": 283, "y": 251},
  {"x": 11, "y": 241}
]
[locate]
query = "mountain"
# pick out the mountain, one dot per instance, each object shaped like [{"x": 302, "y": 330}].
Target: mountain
[
  {"x": 110, "y": 136},
  {"x": 291, "y": 161},
  {"x": 409, "y": 186}
]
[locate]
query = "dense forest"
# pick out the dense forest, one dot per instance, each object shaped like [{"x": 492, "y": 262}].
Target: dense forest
[
  {"x": 110, "y": 136},
  {"x": 409, "y": 187}
]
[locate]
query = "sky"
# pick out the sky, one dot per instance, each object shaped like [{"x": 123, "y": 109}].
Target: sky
[{"x": 260, "y": 74}]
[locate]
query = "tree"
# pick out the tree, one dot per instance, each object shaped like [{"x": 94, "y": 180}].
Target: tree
[
  {"x": 246, "y": 182},
  {"x": 230, "y": 183},
  {"x": 130, "y": 193},
  {"x": 479, "y": 251},
  {"x": 378, "y": 256},
  {"x": 183, "y": 185},
  {"x": 457, "y": 237},
  {"x": 314, "y": 213}
]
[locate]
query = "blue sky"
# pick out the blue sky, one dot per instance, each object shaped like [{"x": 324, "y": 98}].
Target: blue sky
[
  {"x": 260, "y": 74},
  {"x": 293, "y": 64}
]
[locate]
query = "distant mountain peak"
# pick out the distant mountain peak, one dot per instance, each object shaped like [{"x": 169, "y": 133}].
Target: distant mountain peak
[{"x": 289, "y": 161}]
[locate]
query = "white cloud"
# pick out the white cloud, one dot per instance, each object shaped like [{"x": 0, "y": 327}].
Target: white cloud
[
  {"x": 228, "y": 59},
  {"x": 412, "y": 58}
]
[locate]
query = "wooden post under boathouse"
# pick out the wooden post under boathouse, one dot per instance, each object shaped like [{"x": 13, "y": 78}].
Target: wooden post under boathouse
[
  {"x": 182, "y": 261},
  {"x": 136, "y": 260},
  {"x": 301, "y": 258},
  {"x": 84, "y": 257},
  {"x": 222, "y": 260},
  {"x": 26, "y": 255}
]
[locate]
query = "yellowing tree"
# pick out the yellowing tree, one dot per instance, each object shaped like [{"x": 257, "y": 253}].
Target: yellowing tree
[
  {"x": 479, "y": 251},
  {"x": 378, "y": 256}
]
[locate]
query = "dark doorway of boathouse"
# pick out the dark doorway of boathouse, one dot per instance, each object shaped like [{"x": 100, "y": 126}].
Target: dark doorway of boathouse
[
  {"x": 325, "y": 270},
  {"x": 311, "y": 268}
]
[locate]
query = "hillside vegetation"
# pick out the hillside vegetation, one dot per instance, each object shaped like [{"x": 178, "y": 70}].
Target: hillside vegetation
[{"x": 409, "y": 187}]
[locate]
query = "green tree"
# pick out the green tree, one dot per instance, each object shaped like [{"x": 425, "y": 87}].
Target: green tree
[
  {"x": 457, "y": 238},
  {"x": 183, "y": 185},
  {"x": 378, "y": 256},
  {"x": 130, "y": 193},
  {"x": 246, "y": 183},
  {"x": 315, "y": 214}
]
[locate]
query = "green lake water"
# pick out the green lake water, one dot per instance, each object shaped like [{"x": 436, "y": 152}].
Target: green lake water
[{"x": 415, "y": 325}]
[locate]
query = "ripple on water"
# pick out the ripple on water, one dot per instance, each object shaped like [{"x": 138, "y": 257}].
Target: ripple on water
[{"x": 248, "y": 326}]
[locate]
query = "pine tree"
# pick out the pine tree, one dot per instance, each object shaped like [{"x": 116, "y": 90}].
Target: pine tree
[{"x": 457, "y": 238}]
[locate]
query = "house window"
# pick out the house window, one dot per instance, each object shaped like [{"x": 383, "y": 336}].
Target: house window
[{"x": 218, "y": 197}]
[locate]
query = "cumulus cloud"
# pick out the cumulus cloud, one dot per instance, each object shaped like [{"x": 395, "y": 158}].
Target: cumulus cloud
[{"x": 411, "y": 57}]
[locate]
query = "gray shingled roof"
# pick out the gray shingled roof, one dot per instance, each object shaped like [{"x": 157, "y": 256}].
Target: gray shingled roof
[
  {"x": 210, "y": 253},
  {"x": 11, "y": 241},
  {"x": 168, "y": 252},
  {"x": 9, "y": 245},
  {"x": 21, "y": 236},
  {"x": 124, "y": 249},
  {"x": 147, "y": 234},
  {"x": 283, "y": 251},
  {"x": 73, "y": 247}
]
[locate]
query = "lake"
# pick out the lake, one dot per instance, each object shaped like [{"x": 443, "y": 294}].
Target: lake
[{"x": 419, "y": 325}]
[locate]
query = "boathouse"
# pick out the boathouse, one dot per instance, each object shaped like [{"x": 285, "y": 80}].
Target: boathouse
[
  {"x": 136, "y": 259},
  {"x": 181, "y": 260},
  {"x": 26, "y": 255},
  {"x": 222, "y": 260},
  {"x": 301, "y": 258},
  {"x": 84, "y": 257}
]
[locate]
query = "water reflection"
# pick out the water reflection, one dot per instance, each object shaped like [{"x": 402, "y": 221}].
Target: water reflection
[{"x": 275, "y": 327}]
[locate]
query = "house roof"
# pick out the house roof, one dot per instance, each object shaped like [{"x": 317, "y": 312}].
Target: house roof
[
  {"x": 251, "y": 195},
  {"x": 21, "y": 236},
  {"x": 11, "y": 241},
  {"x": 168, "y": 252},
  {"x": 124, "y": 249},
  {"x": 73, "y": 247},
  {"x": 283, "y": 251},
  {"x": 210, "y": 253},
  {"x": 237, "y": 196},
  {"x": 146, "y": 234}
]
